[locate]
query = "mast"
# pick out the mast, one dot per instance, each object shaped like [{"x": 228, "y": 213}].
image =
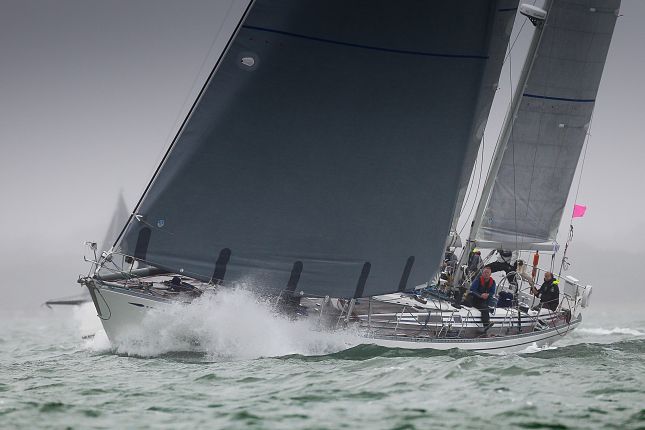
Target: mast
[{"x": 538, "y": 19}]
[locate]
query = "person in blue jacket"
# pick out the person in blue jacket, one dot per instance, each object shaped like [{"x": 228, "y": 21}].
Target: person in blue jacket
[{"x": 482, "y": 292}]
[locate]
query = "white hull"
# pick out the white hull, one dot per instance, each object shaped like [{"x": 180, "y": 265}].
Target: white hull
[
  {"x": 122, "y": 310},
  {"x": 513, "y": 343}
]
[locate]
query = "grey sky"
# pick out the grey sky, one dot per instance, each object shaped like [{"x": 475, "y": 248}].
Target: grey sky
[{"x": 93, "y": 91}]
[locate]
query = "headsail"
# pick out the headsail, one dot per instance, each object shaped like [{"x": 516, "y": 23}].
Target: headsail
[
  {"x": 327, "y": 150},
  {"x": 545, "y": 138}
]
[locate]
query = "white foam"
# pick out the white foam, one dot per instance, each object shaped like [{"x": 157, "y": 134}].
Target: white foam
[
  {"x": 232, "y": 324},
  {"x": 85, "y": 317},
  {"x": 90, "y": 328},
  {"x": 99, "y": 342},
  {"x": 615, "y": 330},
  {"x": 533, "y": 348}
]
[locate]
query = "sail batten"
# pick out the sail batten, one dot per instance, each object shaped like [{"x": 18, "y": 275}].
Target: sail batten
[
  {"x": 337, "y": 140},
  {"x": 527, "y": 196}
]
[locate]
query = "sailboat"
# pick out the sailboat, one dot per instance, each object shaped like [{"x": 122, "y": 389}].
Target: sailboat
[
  {"x": 324, "y": 162},
  {"x": 119, "y": 217}
]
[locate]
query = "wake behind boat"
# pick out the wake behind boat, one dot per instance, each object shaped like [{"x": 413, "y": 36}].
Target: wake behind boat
[{"x": 328, "y": 154}]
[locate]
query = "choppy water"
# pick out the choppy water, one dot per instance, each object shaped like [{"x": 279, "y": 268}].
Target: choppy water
[{"x": 273, "y": 373}]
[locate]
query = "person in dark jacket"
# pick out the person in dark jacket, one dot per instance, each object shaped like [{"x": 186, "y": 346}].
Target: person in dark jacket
[
  {"x": 450, "y": 261},
  {"x": 549, "y": 292},
  {"x": 506, "y": 262},
  {"x": 482, "y": 292},
  {"x": 474, "y": 263}
]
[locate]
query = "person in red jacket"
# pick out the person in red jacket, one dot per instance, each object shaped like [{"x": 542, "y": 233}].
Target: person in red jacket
[{"x": 482, "y": 292}]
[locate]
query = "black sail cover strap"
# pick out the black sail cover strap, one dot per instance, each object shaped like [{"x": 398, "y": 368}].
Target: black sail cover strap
[
  {"x": 403, "y": 283},
  {"x": 220, "y": 265},
  {"x": 141, "y": 245},
  {"x": 295, "y": 277},
  {"x": 332, "y": 133},
  {"x": 362, "y": 280}
]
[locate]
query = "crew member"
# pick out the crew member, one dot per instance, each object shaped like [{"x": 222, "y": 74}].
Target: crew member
[
  {"x": 474, "y": 261},
  {"x": 482, "y": 292},
  {"x": 549, "y": 292},
  {"x": 506, "y": 261},
  {"x": 450, "y": 261}
]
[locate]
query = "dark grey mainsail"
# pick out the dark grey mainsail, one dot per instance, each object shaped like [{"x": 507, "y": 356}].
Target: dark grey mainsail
[
  {"x": 328, "y": 147},
  {"x": 523, "y": 202}
]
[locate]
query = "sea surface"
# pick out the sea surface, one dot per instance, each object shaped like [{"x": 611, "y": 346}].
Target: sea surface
[{"x": 259, "y": 371}]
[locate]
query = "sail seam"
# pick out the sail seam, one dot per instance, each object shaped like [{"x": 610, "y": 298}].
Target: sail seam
[
  {"x": 369, "y": 47},
  {"x": 563, "y": 99}
]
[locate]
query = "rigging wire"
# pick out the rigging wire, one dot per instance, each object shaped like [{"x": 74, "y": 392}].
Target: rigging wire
[
  {"x": 510, "y": 105},
  {"x": 564, "y": 265},
  {"x": 510, "y": 77},
  {"x": 468, "y": 191},
  {"x": 517, "y": 36},
  {"x": 482, "y": 148},
  {"x": 167, "y": 152},
  {"x": 481, "y": 169},
  {"x": 582, "y": 166},
  {"x": 189, "y": 94}
]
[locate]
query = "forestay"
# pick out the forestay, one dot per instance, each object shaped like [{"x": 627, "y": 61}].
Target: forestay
[
  {"x": 530, "y": 191},
  {"x": 119, "y": 218},
  {"x": 327, "y": 149}
]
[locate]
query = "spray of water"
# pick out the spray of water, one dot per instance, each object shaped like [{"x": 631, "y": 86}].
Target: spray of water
[
  {"x": 230, "y": 324},
  {"x": 86, "y": 320}
]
